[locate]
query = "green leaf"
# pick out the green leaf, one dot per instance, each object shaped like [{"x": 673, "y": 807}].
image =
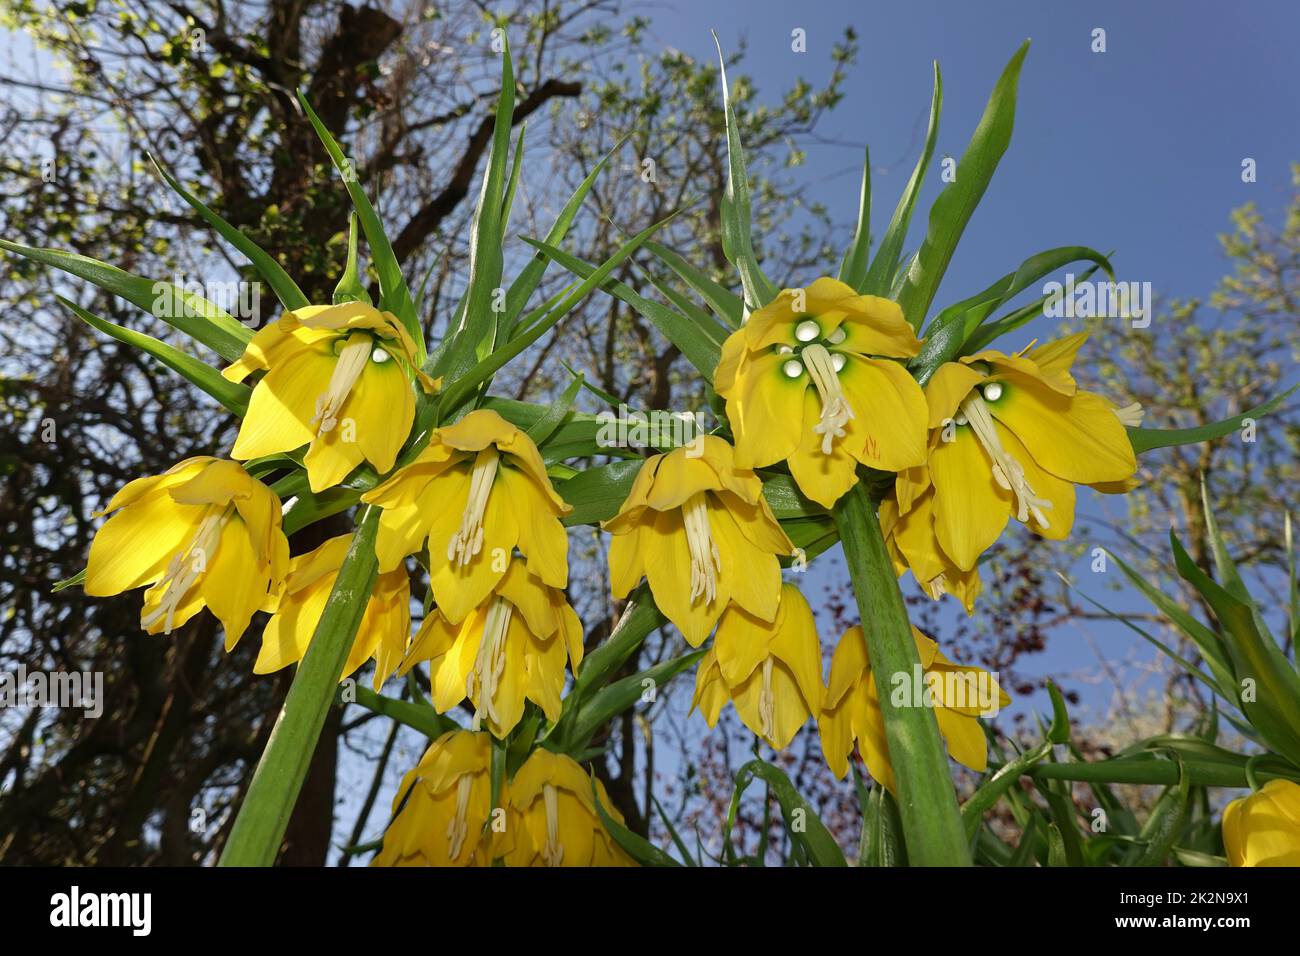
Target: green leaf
[
  {"x": 724, "y": 303},
  {"x": 803, "y": 825},
  {"x": 1013, "y": 320},
  {"x": 394, "y": 296},
  {"x": 1275, "y": 709},
  {"x": 639, "y": 618},
  {"x": 1165, "y": 824},
  {"x": 463, "y": 386},
  {"x": 701, "y": 344},
  {"x": 955, "y": 205},
  {"x": 472, "y": 338},
  {"x": 636, "y": 846},
  {"x": 597, "y": 493},
  {"x": 947, "y": 334},
  {"x": 191, "y": 314},
  {"x": 1144, "y": 439},
  {"x": 418, "y": 716},
  {"x": 350, "y": 288},
  {"x": 285, "y": 289},
  {"x": 512, "y": 184},
  {"x": 550, "y": 420},
  {"x": 992, "y": 790},
  {"x": 735, "y": 206},
  {"x": 927, "y": 802},
  {"x": 264, "y": 815},
  {"x": 853, "y": 267},
  {"x": 672, "y": 832},
  {"x": 526, "y": 282},
  {"x": 232, "y": 396},
  {"x": 76, "y": 579},
  {"x": 610, "y": 701},
  {"x": 880, "y": 278}
]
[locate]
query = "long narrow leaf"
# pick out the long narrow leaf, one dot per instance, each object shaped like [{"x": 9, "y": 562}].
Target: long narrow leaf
[{"x": 955, "y": 205}]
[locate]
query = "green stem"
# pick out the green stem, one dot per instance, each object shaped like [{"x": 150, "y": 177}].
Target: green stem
[
  {"x": 264, "y": 815},
  {"x": 927, "y": 802}
]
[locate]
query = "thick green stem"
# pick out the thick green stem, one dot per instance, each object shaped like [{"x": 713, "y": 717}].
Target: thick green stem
[
  {"x": 927, "y": 802},
  {"x": 264, "y": 815}
]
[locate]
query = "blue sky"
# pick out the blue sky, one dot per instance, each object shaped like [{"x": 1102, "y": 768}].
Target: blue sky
[{"x": 1137, "y": 149}]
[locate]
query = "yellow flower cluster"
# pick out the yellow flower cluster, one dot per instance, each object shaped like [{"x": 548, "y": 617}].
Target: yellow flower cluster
[{"x": 815, "y": 382}]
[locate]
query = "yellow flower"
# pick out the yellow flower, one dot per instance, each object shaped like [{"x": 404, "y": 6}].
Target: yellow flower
[
  {"x": 1016, "y": 434},
  {"x": 443, "y": 806},
  {"x": 859, "y": 408},
  {"x": 772, "y": 671},
  {"x": 477, "y": 491},
  {"x": 697, "y": 527},
  {"x": 384, "y": 629},
  {"x": 959, "y": 694},
  {"x": 552, "y": 819},
  {"x": 204, "y": 533},
  {"x": 912, "y": 545},
  {"x": 1263, "y": 829},
  {"x": 338, "y": 378},
  {"x": 511, "y": 647}
]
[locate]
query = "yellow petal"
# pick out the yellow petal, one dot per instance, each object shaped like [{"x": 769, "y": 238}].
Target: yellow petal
[
  {"x": 888, "y": 431},
  {"x": 970, "y": 509},
  {"x": 283, "y": 404},
  {"x": 135, "y": 546},
  {"x": 823, "y": 478},
  {"x": 947, "y": 388},
  {"x": 1078, "y": 438}
]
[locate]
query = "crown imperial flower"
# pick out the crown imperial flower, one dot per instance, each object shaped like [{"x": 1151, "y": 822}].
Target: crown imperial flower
[
  {"x": 326, "y": 365},
  {"x": 804, "y": 383},
  {"x": 699, "y": 530},
  {"x": 202, "y": 534}
]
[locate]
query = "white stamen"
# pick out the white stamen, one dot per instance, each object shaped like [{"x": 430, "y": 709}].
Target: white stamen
[
  {"x": 807, "y": 330},
  {"x": 458, "y": 828},
  {"x": 553, "y": 852},
  {"x": 347, "y": 369},
  {"x": 490, "y": 663},
  {"x": 1007, "y": 472},
  {"x": 837, "y": 361},
  {"x": 468, "y": 541},
  {"x": 838, "y": 336},
  {"x": 793, "y": 368},
  {"x": 185, "y": 568},
  {"x": 767, "y": 702},
  {"x": 1130, "y": 415},
  {"x": 992, "y": 391},
  {"x": 379, "y": 356},
  {"x": 706, "y": 561},
  {"x": 836, "y": 410}
]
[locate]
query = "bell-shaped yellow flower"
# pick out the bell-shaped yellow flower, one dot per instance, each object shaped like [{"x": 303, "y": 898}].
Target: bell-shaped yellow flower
[
  {"x": 338, "y": 379},
  {"x": 551, "y": 819},
  {"x": 803, "y": 384},
  {"x": 204, "y": 533},
  {"x": 959, "y": 694},
  {"x": 698, "y": 528},
  {"x": 1263, "y": 829},
  {"x": 512, "y": 647},
  {"x": 772, "y": 671},
  {"x": 443, "y": 807},
  {"x": 1016, "y": 434},
  {"x": 912, "y": 545},
  {"x": 477, "y": 491},
  {"x": 384, "y": 630}
]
